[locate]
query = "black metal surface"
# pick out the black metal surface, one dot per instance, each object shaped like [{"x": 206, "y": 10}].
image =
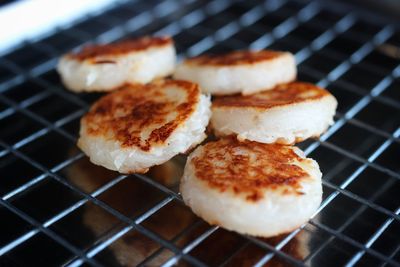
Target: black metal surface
[{"x": 58, "y": 209}]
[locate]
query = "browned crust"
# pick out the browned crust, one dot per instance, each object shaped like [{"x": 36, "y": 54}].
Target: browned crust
[
  {"x": 124, "y": 114},
  {"x": 281, "y": 95},
  {"x": 235, "y": 58},
  {"x": 119, "y": 48},
  {"x": 258, "y": 167}
]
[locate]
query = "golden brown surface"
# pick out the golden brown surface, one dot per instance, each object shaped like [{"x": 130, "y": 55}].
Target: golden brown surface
[
  {"x": 235, "y": 58},
  {"x": 142, "y": 116},
  {"x": 284, "y": 94},
  {"x": 116, "y": 49},
  {"x": 249, "y": 167}
]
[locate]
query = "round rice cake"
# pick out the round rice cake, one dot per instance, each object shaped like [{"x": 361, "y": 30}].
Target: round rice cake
[
  {"x": 251, "y": 188},
  {"x": 140, "y": 126},
  {"x": 108, "y": 66},
  {"x": 287, "y": 114},
  {"x": 243, "y": 72}
]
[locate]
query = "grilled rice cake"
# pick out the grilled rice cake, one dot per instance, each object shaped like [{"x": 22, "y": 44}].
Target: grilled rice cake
[
  {"x": 106, "y": 67},
  {"x": 287, "y": 114},
  {"x": 140, "y": 126},
  {"x": 250, "y": 187},
  {"x": 244, "y": 72}
]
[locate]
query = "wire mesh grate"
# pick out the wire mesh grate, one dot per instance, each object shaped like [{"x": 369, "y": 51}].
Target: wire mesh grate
[{"x": 58, "y": 209}]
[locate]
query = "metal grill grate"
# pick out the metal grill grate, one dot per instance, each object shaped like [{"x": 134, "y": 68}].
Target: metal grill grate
[{"x": 58, "y": 209}]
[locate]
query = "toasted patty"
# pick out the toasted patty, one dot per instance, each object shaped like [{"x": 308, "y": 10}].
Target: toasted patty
[
  {"x": 140, "y": 126},
  {"x": 287, "y": 114},
  {"x": 250, "y": 187},
  {"x": 106, "y": 67},
  {"x": 243, "y": 72}
]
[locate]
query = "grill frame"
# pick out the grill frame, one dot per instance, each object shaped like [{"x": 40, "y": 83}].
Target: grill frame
[{"x": 166, "y": 9}]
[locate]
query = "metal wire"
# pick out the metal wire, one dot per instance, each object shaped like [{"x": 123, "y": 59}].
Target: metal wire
[{"x": 170, "y": 17}]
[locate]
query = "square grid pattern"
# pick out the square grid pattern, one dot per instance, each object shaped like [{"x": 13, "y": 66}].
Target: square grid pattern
[{"x": 58, "y": 209}]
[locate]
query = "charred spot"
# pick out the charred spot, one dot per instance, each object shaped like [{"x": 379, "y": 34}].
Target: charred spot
[
  {"x": 147, "y": 109},
  {"x": 161, "y": 134},
  {"x": 183, "y": 106},
  {"x": 104, "y": 61},
  {"x": 101, "y": 109},
  {"x": 254, "y": 197}
]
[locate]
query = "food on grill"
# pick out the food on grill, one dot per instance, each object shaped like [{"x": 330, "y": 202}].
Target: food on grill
[
  {"x": 105, "y": 67},
  {"x": 140, "y": 126},
  {"x": 237, "y": 182},
  {"x": 243, "y": 72},
  {"x": 251, "y": 188},
  {"x": 287, "y": 114}
]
